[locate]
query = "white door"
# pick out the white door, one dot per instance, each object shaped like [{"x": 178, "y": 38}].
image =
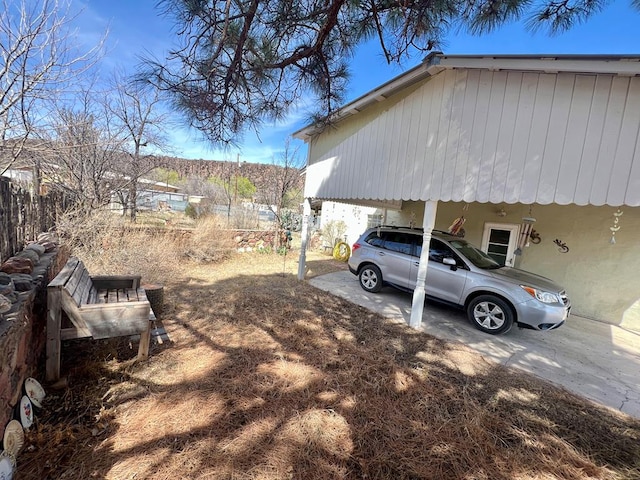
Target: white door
[{"x": 499, "y": 241}]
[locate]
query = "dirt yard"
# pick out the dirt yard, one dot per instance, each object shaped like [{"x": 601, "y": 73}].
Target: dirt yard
[{"x": 266, "y": 377}]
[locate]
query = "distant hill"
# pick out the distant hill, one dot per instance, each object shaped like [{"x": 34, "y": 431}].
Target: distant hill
[{"x": 257, "y": 173}]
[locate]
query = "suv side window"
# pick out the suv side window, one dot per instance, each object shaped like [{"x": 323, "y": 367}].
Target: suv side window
[
  {"x": 438, "y": 251},
  {"x": 398, "y": 242},
  {"x": 374, "y": 240},
  {"x": 393, "y": 241}
]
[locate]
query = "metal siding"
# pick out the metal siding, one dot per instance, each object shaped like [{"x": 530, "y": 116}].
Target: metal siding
[
  {"x": 556, "y": 136},
  {"x": 393, "y": 152},
  {"x": 440, "y": 122},
  {"x": 623, "y": 161},
  {"x": 575, "y": 138},
  {"x": 491, "y": 133},
  {"x": 367, "y": 180},
  {"x": 452, "y": 135},
  {"x": 590, "y": 151},
  {"x": 478, "y": 135},
  {"x": 633, "y": 186},
  {"x": 505, "y": 142},
  {"x": 537, "y": 137},
  {"x": 432, "y": 168},
  {"x": 467, "y": 127},
  {"x": 609, "y": 142},
  {"x": 520, "y": 139},
  {"x": 494, "y": 136},
  {"x": 404, "y": 166},
  {"x": 416, "y": 141}
]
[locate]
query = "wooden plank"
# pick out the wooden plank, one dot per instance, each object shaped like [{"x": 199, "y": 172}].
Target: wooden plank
[
  {"x": 72, "y": 333},
  {"x": 118, "y": 320},
  {"x": 145, "y": 340},
  {"x": 93, "y": 295},
  {"x": 112, "y": 296},
  {"x": 102, "y": 297},
  {"x": 73, "y": 312},
  {"x": 142, "y": 295},
  {"x": 54, "y": 319},
  {"x": 63, "y": 275},
  {"x": 81, "y": 293},
  {"x": 75, "y": 279},
  {"x": 108, "y": 282}
]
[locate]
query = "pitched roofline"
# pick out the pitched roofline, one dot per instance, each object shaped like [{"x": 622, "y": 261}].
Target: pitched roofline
[{"x": 436, "y": 62}]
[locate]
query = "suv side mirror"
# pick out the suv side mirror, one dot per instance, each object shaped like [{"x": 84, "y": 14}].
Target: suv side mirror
[{"x": 451, "y": 262}]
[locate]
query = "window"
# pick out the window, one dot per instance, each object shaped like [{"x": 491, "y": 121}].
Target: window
[
  {"x": 398, "y": 242},
  {"x": 374, "y": 221},
  {"x": 438, "y": 251},
  {"x": 375, "y": 240},
  {"x": 393, "y": 241}
]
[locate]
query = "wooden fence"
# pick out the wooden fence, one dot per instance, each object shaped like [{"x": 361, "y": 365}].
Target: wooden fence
[{"x": 23, "y": 216}]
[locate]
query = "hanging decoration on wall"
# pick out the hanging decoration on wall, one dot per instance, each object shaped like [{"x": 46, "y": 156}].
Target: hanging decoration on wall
[
  {"x": 535, "y": 238},
  {"x": 412, "y": 220},
  {"x": 615, "y": 227},
  {"x": 562, "y": 246},
  {"x": 456, "y": 227}
]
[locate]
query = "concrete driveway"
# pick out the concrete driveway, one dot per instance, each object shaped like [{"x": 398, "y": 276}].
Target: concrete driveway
[{"x": 592, "y": 359}]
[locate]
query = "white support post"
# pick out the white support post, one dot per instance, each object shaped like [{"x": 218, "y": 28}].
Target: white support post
[
  {"x": 304, "y": 235},
  {"x": 417, "y": 304}
]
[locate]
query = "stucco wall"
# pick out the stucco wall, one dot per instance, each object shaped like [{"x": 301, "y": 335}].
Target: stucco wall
[
  {"x": 602, "y": 279},
  {"x": 354, "y": 217}
]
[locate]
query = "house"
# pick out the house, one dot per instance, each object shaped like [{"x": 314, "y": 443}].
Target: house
[{"x": 539, "y": 154}]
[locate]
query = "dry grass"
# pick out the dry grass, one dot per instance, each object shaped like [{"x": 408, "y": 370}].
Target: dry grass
[{"x": 269, "y": 378}]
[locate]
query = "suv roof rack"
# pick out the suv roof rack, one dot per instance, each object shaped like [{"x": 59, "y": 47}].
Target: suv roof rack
[{"x": 419, "y": 229}]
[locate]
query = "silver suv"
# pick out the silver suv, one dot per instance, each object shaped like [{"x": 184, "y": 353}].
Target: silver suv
[{"x": 494, "y": 297}]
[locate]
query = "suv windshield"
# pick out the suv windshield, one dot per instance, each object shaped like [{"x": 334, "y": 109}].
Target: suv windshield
[{"x": 474, "y": 255}]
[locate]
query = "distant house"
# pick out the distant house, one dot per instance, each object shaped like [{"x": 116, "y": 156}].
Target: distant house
[{"x": 539, "y": 154}]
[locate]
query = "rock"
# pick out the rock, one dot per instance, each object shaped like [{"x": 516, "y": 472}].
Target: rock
[
  {"x": 6, "y": 284},
  {"x": 5, "y": 304},
  {"x": 36, "y": 247},
  {"x": 17, "y": 265},
  {"x": 49, "y": 246},
  {"x": 30, "y": 254},
  {"x": 23, "y": 282}
]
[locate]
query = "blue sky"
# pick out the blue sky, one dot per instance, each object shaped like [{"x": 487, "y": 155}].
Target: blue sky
[{"x": 136, "y": 28}]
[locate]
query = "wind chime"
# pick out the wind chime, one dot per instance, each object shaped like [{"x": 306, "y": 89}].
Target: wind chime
[
  {"x": 615, "y": 227},
  {"x": 526, "y": 229}
]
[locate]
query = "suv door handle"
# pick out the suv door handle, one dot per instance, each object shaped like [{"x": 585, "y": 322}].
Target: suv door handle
[{"x": 381, "y": 254}]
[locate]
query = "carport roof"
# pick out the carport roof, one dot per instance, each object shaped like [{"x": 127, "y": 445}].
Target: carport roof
[{"x": 487, "y": 128}]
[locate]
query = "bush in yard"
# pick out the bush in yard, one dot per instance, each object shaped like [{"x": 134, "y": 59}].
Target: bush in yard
[{"x": 191, "y": 211}]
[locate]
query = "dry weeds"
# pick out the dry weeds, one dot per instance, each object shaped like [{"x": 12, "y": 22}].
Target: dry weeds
[{"x": 267, "y": 377}]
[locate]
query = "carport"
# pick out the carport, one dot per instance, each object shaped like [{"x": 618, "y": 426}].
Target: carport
[{"x": 504, "y": 129}]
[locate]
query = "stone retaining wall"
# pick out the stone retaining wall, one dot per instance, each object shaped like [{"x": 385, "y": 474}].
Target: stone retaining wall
[
  {"x": 250, "y": 240},
  {"x": 23, "y": 335}
]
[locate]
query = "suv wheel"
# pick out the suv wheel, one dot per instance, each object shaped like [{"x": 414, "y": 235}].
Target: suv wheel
[
  {"x": 490, "y": 314},
  {"x": 370, "y": 278}
]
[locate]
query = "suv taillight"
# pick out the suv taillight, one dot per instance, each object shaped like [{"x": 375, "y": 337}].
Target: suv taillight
[{"x": 355, "y": 247}]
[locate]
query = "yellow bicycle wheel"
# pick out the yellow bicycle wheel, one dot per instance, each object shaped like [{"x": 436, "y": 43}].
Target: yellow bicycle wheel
[{"x": 342, "y": 251}]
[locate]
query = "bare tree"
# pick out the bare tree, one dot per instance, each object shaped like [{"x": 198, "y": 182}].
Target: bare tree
[
  {"x": 281, "y": 186},
  {"x": 38, "y": 61},
  {"x": 137, "y": 107},
  {"x": 83, "y": 149}
]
